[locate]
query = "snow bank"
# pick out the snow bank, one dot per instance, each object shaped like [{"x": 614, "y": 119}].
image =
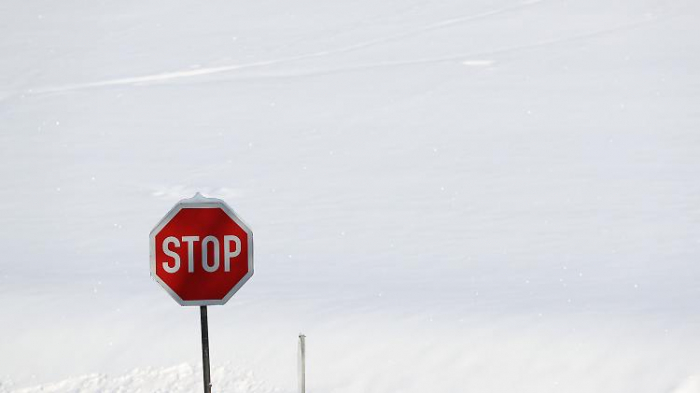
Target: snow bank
[{"x": 182, "y": 378}]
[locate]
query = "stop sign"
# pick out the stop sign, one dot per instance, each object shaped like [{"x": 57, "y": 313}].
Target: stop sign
[{"x": 201, "y": 252}]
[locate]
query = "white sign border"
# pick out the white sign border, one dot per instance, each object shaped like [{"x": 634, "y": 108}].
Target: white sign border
[{"x": 200, "y": 202}]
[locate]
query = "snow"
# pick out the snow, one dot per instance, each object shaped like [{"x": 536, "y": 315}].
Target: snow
[
  {"x": 446, "y": 196},
  {"x": 182, "y": 378}
]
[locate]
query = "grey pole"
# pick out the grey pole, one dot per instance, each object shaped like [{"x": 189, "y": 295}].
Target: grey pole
[
  {"x": 205, "y": 348},
  {"x": 302, "y": 364}
]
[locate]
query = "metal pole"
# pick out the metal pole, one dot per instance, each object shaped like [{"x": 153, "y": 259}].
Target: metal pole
[
  {"x": 205, "y": 348},
  {"x": 302, "y": 364}
]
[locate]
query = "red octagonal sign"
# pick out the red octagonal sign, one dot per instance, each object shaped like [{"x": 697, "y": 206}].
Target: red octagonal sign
[{"x": 201, "y": 252}]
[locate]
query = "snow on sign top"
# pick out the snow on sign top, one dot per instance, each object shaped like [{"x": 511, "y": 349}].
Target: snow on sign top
[{"x": 201, "y": 252}]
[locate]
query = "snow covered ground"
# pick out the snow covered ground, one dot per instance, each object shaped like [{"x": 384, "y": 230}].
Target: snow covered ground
[{"x": 447, "y": 196}]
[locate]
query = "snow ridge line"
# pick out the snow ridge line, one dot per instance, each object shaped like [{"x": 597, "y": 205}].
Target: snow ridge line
[
  {"x": 350, "y": 48},
  {"x": 474, "y": 59}
]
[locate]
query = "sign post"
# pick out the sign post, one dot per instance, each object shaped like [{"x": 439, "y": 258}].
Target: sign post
[
  {"x": 201, "y": 254},
  {"x": 205, "y": 348}
]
